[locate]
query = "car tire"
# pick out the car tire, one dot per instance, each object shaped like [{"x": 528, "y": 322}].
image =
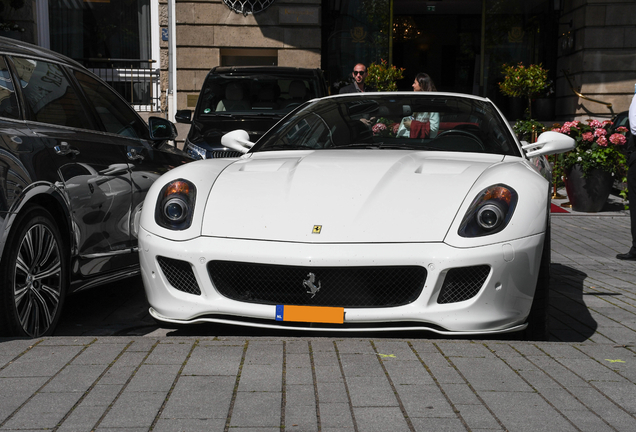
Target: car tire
[
  {"x": 537, "y": 329},
  {"x": 34, "y": 276}
]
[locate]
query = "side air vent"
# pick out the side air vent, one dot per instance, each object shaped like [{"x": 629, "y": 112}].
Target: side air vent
[
  {"x": 179, "y": 274},
  {"x": 463, "y": 283}
]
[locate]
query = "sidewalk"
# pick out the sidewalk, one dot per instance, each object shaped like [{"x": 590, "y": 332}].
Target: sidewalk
[{"x": 584, "y": 379}]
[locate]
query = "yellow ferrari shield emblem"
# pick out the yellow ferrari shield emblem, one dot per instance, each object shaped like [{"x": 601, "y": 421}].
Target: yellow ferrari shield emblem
[{"x": 316, "y": 229}]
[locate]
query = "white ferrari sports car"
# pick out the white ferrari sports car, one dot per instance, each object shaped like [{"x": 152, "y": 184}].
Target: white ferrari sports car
[{"x": 365, "y": 212}]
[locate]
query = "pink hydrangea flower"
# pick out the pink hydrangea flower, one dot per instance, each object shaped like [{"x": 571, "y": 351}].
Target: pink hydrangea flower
[
  {"x": 602, "y": 141},
  {"x": 617, "y": 139},
  {"x": 588, "y": 136},
  {"x": 378, "y": 128},
  {"x": 569, "y": 125},
  {"x": 595, "y": 124},
  {"x": 600, "y": 133},
  {"x": 395, "y": 127},
  {"x": 622, "y": 129}
]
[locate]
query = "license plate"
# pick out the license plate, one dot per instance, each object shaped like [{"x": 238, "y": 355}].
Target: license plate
[{"x": 312, "y": 314}]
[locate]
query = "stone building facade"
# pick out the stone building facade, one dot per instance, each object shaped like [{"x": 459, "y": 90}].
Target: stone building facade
[
  {"x": 597, "y": 49},
  {"x": 210, "y": 34}
]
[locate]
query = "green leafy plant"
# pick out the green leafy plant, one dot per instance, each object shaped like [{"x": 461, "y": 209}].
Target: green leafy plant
[
  {"x": 524, "y": 81},
  {"x": 596, "y": 146},
  {"x": 524, "y": 129},
  {"x": 383, "y": 77}
]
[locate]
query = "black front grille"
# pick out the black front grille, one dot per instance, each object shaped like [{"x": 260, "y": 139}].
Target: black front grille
[
  {"x": 462, "y": 283},
  {"x": 179, "y": 274},
  {"x": 337, "y": 286}
]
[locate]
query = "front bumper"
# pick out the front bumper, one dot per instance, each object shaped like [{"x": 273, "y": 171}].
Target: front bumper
[{"x": 501, "y": 305}]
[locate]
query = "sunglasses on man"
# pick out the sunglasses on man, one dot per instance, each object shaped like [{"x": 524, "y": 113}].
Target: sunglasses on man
[{"x": 359, "y": 72}]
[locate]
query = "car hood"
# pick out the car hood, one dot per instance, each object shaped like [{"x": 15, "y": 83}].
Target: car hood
[
  {"x": 210, "y": 130},
  {"x": 342, "y": 196}
]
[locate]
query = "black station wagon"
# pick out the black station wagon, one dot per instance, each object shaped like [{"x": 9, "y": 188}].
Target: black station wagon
[{"x": 76, "y": 162}]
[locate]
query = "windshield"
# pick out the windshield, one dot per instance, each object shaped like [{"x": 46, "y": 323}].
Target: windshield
[
  {"x": 425, "y": 121},
  {"x": 254, "y": 94}
]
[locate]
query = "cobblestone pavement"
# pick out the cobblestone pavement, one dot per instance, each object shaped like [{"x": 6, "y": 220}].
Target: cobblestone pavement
[{"x": 161, "y": 380}]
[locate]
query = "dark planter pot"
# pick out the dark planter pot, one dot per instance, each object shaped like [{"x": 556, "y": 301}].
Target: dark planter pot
[
  {"x": 544, "y": 109},
  {"x": 588, "y": 194}
]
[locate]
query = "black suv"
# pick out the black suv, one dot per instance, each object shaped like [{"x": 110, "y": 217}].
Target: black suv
[
  {"x": 76, "y": 162},
  {"x": 251, "y": 98}
]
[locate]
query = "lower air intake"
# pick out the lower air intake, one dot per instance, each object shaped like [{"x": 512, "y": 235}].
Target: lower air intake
[
  {"x": 179, "y": 274},
  {"x": 463, "y": 283}
]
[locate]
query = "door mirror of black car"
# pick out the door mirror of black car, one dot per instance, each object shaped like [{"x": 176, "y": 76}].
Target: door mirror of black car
[
  {"x": 183, "y": 116},
  {"x": 161, "y": 129}
]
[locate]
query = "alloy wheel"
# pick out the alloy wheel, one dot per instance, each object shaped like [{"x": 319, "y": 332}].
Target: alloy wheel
[{"x": 37, "y": 281}]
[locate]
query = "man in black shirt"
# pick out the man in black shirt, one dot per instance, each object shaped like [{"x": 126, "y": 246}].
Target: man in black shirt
[{"x": 357, "y": 86}]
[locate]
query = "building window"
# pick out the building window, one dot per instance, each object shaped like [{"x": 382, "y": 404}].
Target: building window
[
  {"x": 95, "y": 30},
  {"x": 113, "y": 39}
]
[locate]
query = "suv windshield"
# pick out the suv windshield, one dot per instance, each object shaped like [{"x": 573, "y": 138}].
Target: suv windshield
[
  {"x": 442, "y": 122},
  {"x": 254, "y": 94}
]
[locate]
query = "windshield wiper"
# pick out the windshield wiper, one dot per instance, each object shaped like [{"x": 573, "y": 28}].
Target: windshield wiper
[
  {"x": 217, "y": 114},
  {"x": 381, "y": 145},
  {"x": 357, "y": 145},
  {"x": 285, "y": 147}
]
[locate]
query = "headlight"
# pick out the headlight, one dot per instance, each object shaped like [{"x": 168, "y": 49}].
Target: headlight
[
  {"x": 489, "y": 212},
  {"x": 175, "y": 205},
  {"x": 194, "y": 151}
]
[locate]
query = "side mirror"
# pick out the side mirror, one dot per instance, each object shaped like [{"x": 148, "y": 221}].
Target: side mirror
[
  {"x": 237, "y": 140},
  {"x": 161, "y": 129},
  {"x": 183, "y": 116},
  {"x": 550, "y": 143}
]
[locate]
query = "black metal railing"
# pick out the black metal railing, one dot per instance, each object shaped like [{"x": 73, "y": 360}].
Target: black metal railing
[{"x": 137, "y": 80}]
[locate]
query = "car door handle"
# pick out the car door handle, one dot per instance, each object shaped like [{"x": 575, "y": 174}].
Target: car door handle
[
  {"x": 134, "y": 155},
  {"x": 64, "y": 149}
]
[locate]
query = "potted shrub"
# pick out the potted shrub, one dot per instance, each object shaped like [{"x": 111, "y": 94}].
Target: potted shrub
[
  {"x": 590, "y": 169},
  {"x": 383, "y": 77},
  {"x": 524, "y": 82}
]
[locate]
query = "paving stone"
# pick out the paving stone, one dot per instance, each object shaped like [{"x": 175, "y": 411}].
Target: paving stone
[
  {"x": 189, "y": 424},
  {"x": 207, "y": 397},
  {"x": 16, "y": 391},
  {"x": 514, "y": 409},
  {"x": 425, "y": 401},
  {"x": 169, "y": 353},
  {"x": 380, "y": 419},
  {"x": 259, "y": 377},
  {"x": 41, "y": 361},
  {"x": 301, "y": 418},
  {"x": 134, "y": 410},
  {"x": 154, "y": 378},
  {"x": 74, "y": 378},
  {"x": 256, "y": 409},
  {"x": 43, "y": 411},
  {"x": 335, "y": 416},
  {"x": 214, "y": 360},
  {"x": 332, "y": 392}
]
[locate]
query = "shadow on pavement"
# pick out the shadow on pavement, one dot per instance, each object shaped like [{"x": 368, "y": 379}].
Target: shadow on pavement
[{"x": 570, "y": 319}]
